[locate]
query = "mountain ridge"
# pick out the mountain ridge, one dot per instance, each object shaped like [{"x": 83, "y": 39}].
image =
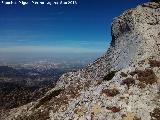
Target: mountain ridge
[
  {"x": 113, "y": 49},
  {"x": 123, "y": 84}
]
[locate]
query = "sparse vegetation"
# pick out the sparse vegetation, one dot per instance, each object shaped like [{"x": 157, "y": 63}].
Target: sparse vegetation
[
  {"x": 123, "y": 74},
  {"x": 110, "y": 92},
  {"x": 128, "y": 82},
  {"x": 130, "y": 116},
  {"x": 136, "y": 118},
  {"x": 80, "y": 111},
  {"x": 39, "y": 115},
  {"x": 147, "y": 76},
  {"x": 155, "y": 115},
  {"x": 96, "y": 109},
  {"x": 110, "y": 75},
  {"x": 13, "y": 95},
  {"x": 47, "y": 98},
  {"x": 154, "y": 63},
  {"x": 141, "y": 85},
  {"x": 98, "y": 82},
  {"x": 114, "y": 109}
]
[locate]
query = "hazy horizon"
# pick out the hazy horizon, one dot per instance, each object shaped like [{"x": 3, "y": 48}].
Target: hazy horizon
[{"x": 79, "y": 29}]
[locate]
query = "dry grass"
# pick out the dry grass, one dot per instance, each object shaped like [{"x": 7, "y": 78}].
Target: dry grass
[
  {"x": 141, "y": 85},
  {"x": 147, "y": 76},
  {"x": 154, "y": 63},
  {"x": 128, "y": 81},
  {"x": 113, "y": 109},
  {"x": 130, "y": 116},
  {"x": 96, "y": 109},
  {"x": 80, "y": 111},
  {"x": 110, "y": 92}
]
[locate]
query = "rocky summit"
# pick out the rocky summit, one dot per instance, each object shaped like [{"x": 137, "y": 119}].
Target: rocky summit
[{"x": 123, "y": 84}]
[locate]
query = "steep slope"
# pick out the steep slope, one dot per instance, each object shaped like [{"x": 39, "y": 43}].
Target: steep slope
[
  {"x": 123, "y": 84},
  {"x": 135, "y": 37}
]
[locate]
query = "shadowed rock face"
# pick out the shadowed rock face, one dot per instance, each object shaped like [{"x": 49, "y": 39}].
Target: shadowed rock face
[
  {"x": 133, "y": 95},
  {"x": 154, "y": 0}
]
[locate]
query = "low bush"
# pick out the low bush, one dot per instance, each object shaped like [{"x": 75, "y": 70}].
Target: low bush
[
  {"x": 128, "y": 81},
  {"x": 147, "y": 76},
  {"x": 123, "y": 74},
  {"x": 154, "y": 63},
  {"x": 114, "y": 109},
  {"x": 110, "y": 75},
  {"x": 155, "y": 115},
  {"x": 110, "y": 92},
  {"x": 48, "y": 97}
]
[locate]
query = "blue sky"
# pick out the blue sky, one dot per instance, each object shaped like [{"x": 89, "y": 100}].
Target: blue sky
[{"x": 82, "y": 28}]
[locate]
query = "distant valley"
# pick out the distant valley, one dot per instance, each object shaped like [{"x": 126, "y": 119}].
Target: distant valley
[{"x": 23, "y": 83}]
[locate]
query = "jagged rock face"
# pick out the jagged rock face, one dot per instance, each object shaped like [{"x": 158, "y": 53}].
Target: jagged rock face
[
  {"x": 135, "y": 37},
  {"x": 124, "y": 84}
]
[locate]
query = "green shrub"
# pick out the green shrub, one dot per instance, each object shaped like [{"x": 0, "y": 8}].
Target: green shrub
[
  {"x": 113, "y": 109},
  {"x": 48, "y": 97},
  {"x": 147, "y": 76},
  {"x": 154, "y": 63},
  {"x": 110, "y": 92},
  {"x": 155, "y": 115},
  {"x": 123, "y": 74},
  {"x": 110, "y": 75},
  {"x": 128, "y": 82}
]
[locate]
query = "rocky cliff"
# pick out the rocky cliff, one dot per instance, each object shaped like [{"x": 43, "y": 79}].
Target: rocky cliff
[{"x": 124, "y": 84}]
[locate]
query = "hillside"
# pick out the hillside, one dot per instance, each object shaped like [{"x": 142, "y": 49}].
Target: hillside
[{"x": 124, "y": 84}]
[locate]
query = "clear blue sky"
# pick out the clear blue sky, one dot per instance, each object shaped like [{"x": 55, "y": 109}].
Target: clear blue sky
[{"x": 82, "y": 28}]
